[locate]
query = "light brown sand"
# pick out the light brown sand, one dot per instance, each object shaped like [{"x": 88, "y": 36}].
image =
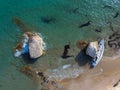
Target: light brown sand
[{"x": 102, "y": 77}]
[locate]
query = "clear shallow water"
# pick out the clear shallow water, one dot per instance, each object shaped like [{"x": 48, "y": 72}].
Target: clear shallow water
[{"x": 56, "y": 34}]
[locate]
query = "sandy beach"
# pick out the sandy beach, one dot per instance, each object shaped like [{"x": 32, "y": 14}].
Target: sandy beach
[{"x": 102, "y": 77}]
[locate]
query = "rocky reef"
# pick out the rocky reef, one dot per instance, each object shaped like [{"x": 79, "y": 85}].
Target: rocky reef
[
  {"x": 44, "y": 82},
  {"x": 32, "y": 44},
  {"x": 20, "y": 24}
]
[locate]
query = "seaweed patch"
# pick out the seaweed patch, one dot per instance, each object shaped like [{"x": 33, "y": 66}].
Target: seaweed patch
[
  {"x": 111, "y": 26},
  {"x": 114, "y": 40}
]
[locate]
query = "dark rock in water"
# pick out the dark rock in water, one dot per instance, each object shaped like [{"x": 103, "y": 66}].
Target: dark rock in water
[
  {"x": 116, "y": 15},
  {"x": 40, "y": 74},
  {"x": 98, "y": 30},
  {"x": 65, "y": 53},
  {"x": 85, "y": 24},
  {"x": 48, "y": 20}
]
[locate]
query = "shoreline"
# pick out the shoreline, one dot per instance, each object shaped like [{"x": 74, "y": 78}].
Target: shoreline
[{"x": 93, "y": 79}]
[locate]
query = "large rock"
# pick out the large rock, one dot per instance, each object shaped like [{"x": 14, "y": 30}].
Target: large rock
[
  {"x": 32, "y": 43},
  {"x": 92, "y": 49},
  {"x": 35, "y": 43}
]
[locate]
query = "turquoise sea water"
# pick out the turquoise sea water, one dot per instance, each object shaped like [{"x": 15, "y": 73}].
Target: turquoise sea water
[{"x": 67, "y": 16}]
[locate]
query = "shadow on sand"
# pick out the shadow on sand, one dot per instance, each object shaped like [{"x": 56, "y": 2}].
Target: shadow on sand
[{"x": 82, "y": 58}]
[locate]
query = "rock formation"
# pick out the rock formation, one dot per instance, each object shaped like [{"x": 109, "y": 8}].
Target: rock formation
[
  {"x": 35, "y": 46},
  {"x": 32, "y": 44},
  {"x": 92, "y": 49}
]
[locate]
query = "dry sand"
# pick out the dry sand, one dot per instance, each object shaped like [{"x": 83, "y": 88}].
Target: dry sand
[{"x": 102, "y": 77}]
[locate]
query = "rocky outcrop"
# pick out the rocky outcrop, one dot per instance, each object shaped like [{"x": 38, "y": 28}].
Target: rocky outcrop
[
  {"x": 32, "y": 44},
  {"x": 92, "y": 49},
  {"x": 35, "y": 46}
]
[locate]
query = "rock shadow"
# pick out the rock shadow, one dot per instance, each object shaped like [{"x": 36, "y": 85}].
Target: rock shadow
[
  {"x": 82, "y": 58},
  {"x": 27, "y": 59}
]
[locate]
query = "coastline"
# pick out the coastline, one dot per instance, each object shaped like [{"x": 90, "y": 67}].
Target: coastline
[
  {"x": 102, "y": 77},
  {"x": 58, "y": 21}
]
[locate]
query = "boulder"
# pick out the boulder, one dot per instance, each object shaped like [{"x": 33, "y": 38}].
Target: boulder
[
  {"x": 35, "y": 46},
  {"x": 81, "y": 44},
  {"x": 32, "y": 43},
  {"x": 92, "y": 49}
]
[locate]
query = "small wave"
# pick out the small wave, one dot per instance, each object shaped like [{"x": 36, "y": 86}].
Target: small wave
[
  {"x": 66, "y": 66},
  {"x": 65, "y": 72},
  {"x": 17, "y": 53}
]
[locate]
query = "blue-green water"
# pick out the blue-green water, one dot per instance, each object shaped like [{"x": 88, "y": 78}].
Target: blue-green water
[{"x": 56, "y": 34}]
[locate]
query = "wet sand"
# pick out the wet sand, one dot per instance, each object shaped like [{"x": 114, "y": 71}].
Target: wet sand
[{"x": 102, "y": 77}]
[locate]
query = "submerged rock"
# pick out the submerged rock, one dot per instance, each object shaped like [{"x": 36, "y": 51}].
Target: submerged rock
[
  {"x": 28, "y": 70},
  {"x": 21, "y": 24},
  {"x": 92, "y": 49}
]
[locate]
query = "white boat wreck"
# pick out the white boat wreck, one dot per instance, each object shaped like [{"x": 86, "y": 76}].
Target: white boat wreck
[{"x": 99, "y": 54}]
